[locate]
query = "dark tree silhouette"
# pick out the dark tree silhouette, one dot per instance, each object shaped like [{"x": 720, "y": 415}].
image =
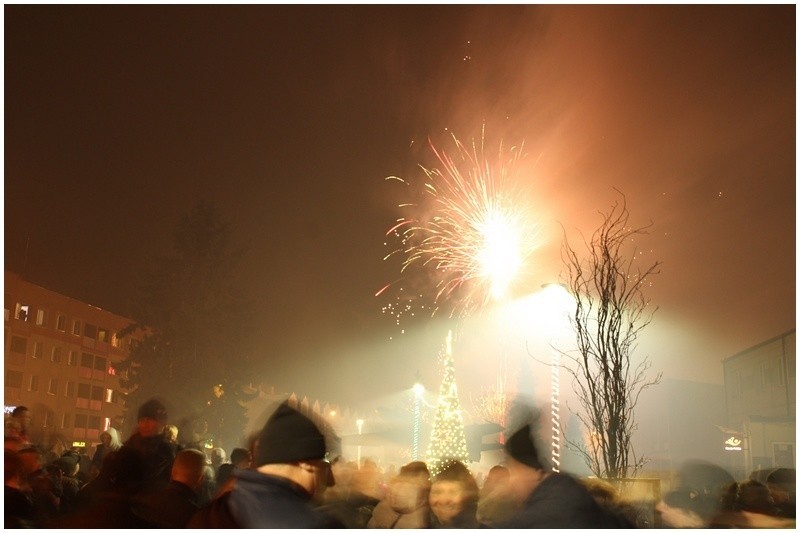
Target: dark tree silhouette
[
  {"x": 610, "y": 312},
  {"x": 196, "y": 327}
]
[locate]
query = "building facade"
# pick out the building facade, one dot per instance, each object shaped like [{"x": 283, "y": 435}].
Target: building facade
[
  {"x": 760, "y": 387},
  {"x": 58, "y": 362},
  {"x": 678, "y": 420}
]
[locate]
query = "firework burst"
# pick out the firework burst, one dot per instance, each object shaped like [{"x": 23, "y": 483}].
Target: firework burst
[{"x": 469, "y": 234}]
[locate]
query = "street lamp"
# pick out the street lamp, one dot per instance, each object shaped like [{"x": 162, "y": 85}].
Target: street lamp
[
  {"x": 418, "y": 390},
  {"x": 360, "y": 426},
  {"x": 559, "y": 302}
]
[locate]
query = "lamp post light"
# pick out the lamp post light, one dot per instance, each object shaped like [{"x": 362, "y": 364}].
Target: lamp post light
[
  {"x": 360, "y": 426},
  {"x": 559, "y": 302},
  {"x": 418, "y": 390}
]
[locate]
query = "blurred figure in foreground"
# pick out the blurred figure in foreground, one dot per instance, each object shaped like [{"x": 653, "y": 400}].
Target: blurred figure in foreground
[
  {"x": 17, "y": 426},
  {"x": 291, "y": 473},
  {"x": 345, "y": 501},
  {"x": 40, "y": 483},
  {"x": 18, "y": 510},
  {"x": 454, "y": 498},
  {"x": 495, "y": 503},
  {"x": 548, "y": 499},
  {"x": 749, "y": 504},
  {"x": 406, "y": 503},
  {"x": 174, "y": 505},
  {"x": 698, "y": 498},
  {"x": 105, "y": 503},
  {"x": 607, "y": 497},
  {"x": 781, "y": 485}
]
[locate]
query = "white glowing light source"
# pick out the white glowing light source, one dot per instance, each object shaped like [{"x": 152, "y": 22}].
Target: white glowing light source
[
  {"x": 471, "y": 233},
  {"x": 499, "y": 257}
]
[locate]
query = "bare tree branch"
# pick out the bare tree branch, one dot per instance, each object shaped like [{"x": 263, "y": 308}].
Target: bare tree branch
[{"x": 611, "y": 310}]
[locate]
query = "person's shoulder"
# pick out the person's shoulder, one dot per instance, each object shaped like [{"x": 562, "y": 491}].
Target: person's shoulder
[{"x": 214, "y": 515}]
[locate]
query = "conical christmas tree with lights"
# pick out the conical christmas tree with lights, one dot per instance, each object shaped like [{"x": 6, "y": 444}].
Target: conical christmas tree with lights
[{"x": 448, "y": 441}]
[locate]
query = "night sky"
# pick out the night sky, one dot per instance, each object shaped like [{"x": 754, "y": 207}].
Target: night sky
[{"x": 120, "y": 119}]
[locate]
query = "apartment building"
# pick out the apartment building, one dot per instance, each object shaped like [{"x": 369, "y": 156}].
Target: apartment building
[
  {"x": 760, "y": 385},
  {"x": 58, "y": 362}
]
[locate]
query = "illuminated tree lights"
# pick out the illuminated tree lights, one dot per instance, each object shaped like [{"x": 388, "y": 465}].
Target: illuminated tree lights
[{"x": 448, "y": 441}]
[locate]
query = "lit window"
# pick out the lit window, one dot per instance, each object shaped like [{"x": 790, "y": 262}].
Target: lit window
[
  {"x": 21, "y": 312},
  {"x": 102, "y": 335},
  {"x": 41, "y": 317}
]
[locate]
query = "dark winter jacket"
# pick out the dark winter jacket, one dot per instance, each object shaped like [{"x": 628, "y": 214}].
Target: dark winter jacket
[
  {"x": 157, "y": 456},
  {"x": 560, "y": 501},
  {"x": 109, "y": 510},
  {"x": 18, "y": 510},
  {"x": 262, "y": 501},
  {"x": 169, "y": 508}
]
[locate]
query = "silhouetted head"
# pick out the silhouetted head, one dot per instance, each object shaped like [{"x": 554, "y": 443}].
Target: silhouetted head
[{"x": 152, "y": 418}]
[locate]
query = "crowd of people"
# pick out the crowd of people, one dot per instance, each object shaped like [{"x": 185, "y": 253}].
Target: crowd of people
[{"x": 291, "y": 475}]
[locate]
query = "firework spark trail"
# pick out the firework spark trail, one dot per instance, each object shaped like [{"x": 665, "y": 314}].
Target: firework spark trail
[{"x": 474, "y": 238}]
